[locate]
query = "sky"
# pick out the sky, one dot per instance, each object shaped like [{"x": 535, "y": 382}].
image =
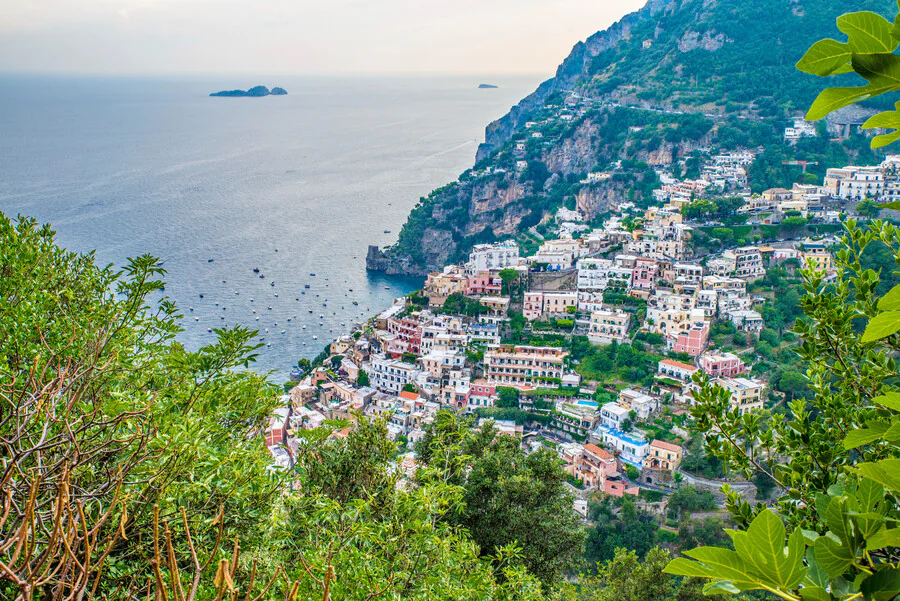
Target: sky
[{"x": 144, "y": 37}]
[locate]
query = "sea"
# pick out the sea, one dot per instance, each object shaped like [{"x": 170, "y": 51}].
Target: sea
[{"x": 293, "y": 186}]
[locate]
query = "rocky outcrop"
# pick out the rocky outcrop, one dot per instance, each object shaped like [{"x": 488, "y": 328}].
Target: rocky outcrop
[
  {"x": 692, "y": 40},
  {"x": 576, "y": 153},
  {"x": 577, "y": 64}
]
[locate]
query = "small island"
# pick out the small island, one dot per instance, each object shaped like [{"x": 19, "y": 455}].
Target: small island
[
  {"x": 487, "y": 86},
  {"x": 254, "y": 92}
]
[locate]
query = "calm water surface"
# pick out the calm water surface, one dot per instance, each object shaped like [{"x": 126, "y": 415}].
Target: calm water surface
[{"x": 290, "y": 185}]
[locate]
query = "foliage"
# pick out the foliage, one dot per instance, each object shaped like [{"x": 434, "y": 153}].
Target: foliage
[
  {"x": 130, "y": 461},
  {"x": 509, "y": 498},
  {"x": 628, "y": 528},
  {"x": 836, "y": 453},
  {"x": 869, "y": 52},
  {"x": 507, "y": 397},
  {"x": 100, "y": 403},
  {"x": 362, "y": 380},
  {"x": 460, "y": 304},
  {"x": 627, "y": 577}
]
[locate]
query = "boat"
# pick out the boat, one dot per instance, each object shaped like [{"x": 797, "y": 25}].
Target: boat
[
  {"x": 209, "y": 260},
  {"x": 261, "y": 276},
  {"x": 387, "y": 287},
  {"x": 283, "y": 331},
  {"x": 356, "y": 304},
  {"x": 387, "y": 231},
  {"x": 306, "y": 286},
  {"x": 312, "y": 275},
  {"x": 276, "y": 295},
  {"x": 196, "y": 319},
  {"x": 310, "y": 310},
  {"x": 270, "y": 307},
  {"x": 191, "y": 308},
  {"x": 256, "y": 270},
  {"x": 321, "y": 317},
  {"x": 209, "y": 329},
  {"x": 201, "y": 296},
  {"x": 315, "y": 337},
  {"x": 272, "y": 283}
]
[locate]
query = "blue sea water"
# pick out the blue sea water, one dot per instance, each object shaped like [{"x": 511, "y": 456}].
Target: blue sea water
[{"x": 291, "y": 185}]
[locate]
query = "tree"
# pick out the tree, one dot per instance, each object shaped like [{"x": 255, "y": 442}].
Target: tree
[
  {"x": 509, "y": 498},
  {"x": 626, "y": 577},
  {"x": 792, "y": 383},
  {"x": 834, "y": 453},
  {"x": 507, "y": 397},
  {"x": 362, "y": 379},
  {"x": 130, "y": 462},
  {"x": 508, "y": 276}
]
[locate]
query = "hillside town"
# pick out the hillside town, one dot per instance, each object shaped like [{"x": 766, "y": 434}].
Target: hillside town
[{"x": 502, "y": 336}]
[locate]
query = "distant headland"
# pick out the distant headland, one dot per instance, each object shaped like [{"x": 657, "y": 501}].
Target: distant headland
[
  {"x": 487, "y": 86},
  {"x": 254, "y": 92}
]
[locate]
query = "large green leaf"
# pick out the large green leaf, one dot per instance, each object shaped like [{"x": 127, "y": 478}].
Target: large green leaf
[
  {"x": 891, "y": 400},
  {"x": 863, "y": 436},
  {"x": 891, "y": 300},
  {"x": 884, "y": 538},
  {"x": 867, "y": 32},
  {"x": 826, "y": 57},
  {"x": 883, "y": 585},
  {"x": 885, "y": 472},
  {"x": 814, "y": 593},
  {"x": 870, "y": 495},
  {"x": 882, "y": 326},
  {"x": 832, "y": 556},
  {"x": 832, "y": 99},
  {"x": 762, "y": 547}
]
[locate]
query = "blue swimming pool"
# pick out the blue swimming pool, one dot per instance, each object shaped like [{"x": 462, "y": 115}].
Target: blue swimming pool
[{"x": 588, "y": 404}]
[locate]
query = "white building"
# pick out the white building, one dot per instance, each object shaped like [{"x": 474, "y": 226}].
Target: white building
[{"x": 488, "y": 257}]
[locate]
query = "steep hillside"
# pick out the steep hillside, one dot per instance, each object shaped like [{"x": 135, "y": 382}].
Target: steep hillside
[{"x": 675, "y": 81}]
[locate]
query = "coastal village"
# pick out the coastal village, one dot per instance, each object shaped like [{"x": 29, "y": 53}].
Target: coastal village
[{"x": 594, "y": 344}]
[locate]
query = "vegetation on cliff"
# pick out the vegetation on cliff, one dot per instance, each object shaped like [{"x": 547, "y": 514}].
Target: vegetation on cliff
[{"x": 679, "y": 81}]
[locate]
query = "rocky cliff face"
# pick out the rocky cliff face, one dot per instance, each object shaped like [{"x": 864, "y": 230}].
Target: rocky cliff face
[
  {"x": 569, "y": 73},
  {"x": 664, "y": 84}
]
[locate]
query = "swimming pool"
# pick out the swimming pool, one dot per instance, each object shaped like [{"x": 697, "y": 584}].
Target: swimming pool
[{"x": 588, "y": 404}]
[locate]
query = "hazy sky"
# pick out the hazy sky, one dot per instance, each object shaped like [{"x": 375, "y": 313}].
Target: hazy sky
[{"x": 297, "y": 36}]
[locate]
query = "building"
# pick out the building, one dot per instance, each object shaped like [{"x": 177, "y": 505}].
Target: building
[
  {"x": 598, "y": 275},
  {"x": 676, "y": 370},
  {"x": 631, "y": 447},
  {"x": 663, "y": 455},
  {"x": 692, "y": 341},
  {"x": 539, "y": 304},
  {"x": 855, "y": 183},
  {"x": 746, "y": 394},
  {"x": 722, "y": 365},
  {"x": 524, "y": 366},
  {"x": 748, "y": 263},
  {"x": 440, "y": 285},
  {"x": 613, "y": 415},
  {"x": 746, "y": 320},
  {"x": 388, "y": 375},
  {"x": 609, "y": 326},
  {"x": 638, "y": 403},
  {"x": 817, "y": 254},
  {"x": 487, "y": 257}
]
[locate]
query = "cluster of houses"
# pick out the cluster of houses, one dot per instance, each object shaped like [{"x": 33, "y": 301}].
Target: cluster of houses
[{"x": 426, "y": 353}]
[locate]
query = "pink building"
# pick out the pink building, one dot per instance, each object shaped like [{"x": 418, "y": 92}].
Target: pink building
[
  {"x": 481, "y": 394},
  {"x": 618, "y": 488},
  {"x": 409, "y": 335},
  {"x": 484, "y": 284},
  {"x": 693, "y": 341},
  {"x": 644, "y": 273},
  {"x": 722, "y": 365}
]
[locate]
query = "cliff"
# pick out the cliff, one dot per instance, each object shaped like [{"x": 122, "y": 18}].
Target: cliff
[{"x": 659, "y": 90}]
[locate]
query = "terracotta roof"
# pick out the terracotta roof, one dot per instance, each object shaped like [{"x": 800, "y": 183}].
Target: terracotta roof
[
  {"x": 411, "y": 396},
  {"x": 678, "y": 364},
  {"x": 595, "y": 450},
  {"x": 668, "y": 446}
]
